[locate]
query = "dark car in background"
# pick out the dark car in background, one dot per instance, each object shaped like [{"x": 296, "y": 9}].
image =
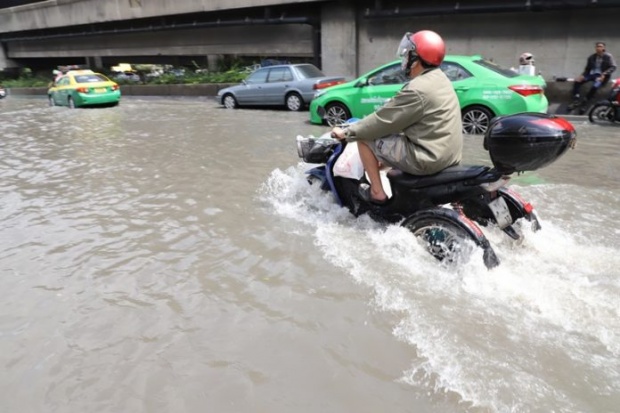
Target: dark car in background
[{"x": 291, "y": 85}]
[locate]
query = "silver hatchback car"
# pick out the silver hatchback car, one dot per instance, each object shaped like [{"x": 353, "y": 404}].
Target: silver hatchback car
[{"x": 292, "y": 86}]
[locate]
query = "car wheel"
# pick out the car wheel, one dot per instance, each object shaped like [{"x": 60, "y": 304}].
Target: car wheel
[
  {"x": 71, "y": 103},
  {"x": 476, "y": 120},
  {"x": 336, "y": 114},
  {"x": 51, "y": 100},
  {"x": 230, "y": 102},
  {"x": 294, "y": 102}
]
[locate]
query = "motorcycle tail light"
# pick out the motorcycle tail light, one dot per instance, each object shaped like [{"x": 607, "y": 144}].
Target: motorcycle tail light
[
  {"x": 527, "y": 207},
  {"x": 526, "y": 90},
  {"x": 614, "y": 96}
]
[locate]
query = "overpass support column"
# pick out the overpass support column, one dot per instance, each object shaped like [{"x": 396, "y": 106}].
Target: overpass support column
[
  {"x": 339, "y": 39},
  {"x": 94, "y": 62},
  {"x": 213, "y": 62},
  {"x": 5, "y": 62}
]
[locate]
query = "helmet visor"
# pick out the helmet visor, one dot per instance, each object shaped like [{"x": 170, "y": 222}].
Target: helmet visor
[{"x": 405, "y": 46}]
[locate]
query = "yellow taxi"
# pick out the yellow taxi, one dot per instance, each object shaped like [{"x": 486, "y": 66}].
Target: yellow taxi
[{"x": 77, "y": 88}]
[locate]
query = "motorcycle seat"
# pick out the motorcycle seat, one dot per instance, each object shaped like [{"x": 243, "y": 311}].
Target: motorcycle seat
[{"x": 450, "y": 174}]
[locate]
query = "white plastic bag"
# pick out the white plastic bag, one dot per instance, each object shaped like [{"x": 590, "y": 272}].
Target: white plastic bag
[{"x": 349, "y": 164}]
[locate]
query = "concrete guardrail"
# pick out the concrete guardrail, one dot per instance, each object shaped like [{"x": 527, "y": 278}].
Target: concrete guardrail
[{"x": 558, "y": 93}]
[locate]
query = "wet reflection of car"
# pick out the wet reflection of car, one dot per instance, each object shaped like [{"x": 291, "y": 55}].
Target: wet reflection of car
[
  {"x": 484, "y": 90},
  {"x": 291, "y": 85},
  {"x": 79, "y": 88}
]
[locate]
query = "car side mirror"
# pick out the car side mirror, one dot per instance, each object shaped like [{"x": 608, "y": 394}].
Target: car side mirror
[{"x": 362, "y": 83}]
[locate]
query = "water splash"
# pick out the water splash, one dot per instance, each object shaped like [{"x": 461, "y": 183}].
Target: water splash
[{"x": 540, "y": 332}]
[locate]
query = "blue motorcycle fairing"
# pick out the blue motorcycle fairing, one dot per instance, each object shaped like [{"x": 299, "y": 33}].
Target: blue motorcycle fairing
[
  {"x": 317, "y": 172},
  {"x": 329, "y": 167}
]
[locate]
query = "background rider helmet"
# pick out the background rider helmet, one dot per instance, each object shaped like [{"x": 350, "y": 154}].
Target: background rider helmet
[
  {"x": 526, "y": 59},
  {"x": 526, "y": 64},
  {"x": 425, "y": 45}
]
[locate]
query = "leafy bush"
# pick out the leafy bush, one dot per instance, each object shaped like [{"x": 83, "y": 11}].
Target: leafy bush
[
  {"x": 231, "y": 76},
  {"x": 27, "y": 82}
]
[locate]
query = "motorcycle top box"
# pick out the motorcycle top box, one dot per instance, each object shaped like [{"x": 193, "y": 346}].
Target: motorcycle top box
[{"x": 527, "y": 141}]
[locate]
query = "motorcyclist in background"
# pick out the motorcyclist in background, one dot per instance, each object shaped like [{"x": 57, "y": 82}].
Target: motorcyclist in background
[
  {"x": 419, "y": 131},
  {"x": 599, "y": 67}
]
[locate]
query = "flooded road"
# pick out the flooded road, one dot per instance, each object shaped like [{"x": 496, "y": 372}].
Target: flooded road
[{"x": 167, "y": 255}]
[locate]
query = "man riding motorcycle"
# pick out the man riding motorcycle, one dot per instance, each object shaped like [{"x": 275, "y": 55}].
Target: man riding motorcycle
[{"x": 419, "y": 131}]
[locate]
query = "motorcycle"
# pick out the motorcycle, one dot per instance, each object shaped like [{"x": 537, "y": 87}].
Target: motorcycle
[
  {"x": 607, "y": 110},
  {"x": 445, "y": 210}
]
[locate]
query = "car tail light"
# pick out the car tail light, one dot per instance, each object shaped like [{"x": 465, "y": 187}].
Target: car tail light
[
  {"x": 83, "y": 90},
  {"x": 114, "y": 87},
  {"x": 526, "y": 90},
  {"x": 323, "y": 85}
]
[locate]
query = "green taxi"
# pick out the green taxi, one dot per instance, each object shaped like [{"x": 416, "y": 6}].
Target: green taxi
[
  {"x": 78, "y": 88},
  {"x": 484, "y": 90}
]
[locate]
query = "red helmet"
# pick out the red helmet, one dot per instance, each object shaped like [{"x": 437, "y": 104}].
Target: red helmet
[{"x": 425, "y": 45}]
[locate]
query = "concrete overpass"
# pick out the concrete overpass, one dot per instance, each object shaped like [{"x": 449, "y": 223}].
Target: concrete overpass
[{"x": 342, "y": 37}]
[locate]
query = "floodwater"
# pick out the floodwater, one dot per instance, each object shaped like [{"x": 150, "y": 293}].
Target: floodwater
[{"x": 167, "y": 255}]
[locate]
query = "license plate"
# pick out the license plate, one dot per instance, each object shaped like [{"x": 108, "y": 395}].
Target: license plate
[
  {"x": 500, "y": 211},
  {"x": 101, "y": 90}
]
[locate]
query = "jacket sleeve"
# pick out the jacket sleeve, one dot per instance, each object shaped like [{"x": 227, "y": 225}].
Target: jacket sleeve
[
  {"x": 405, "y": 109},
  {"x": 612, "y": 65},
  {"x": 589, "y": 64}
]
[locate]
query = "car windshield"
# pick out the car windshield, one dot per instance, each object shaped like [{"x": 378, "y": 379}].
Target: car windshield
[
  {"x": 90, "y": 78},
  {"x": 496, "y": 68},
  {"x": 309, "y": 71},
  {"x": 391, "y": 75}
]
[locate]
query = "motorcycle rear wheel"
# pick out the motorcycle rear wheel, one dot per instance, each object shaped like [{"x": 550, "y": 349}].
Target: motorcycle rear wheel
[
  {"x": 448, "y": 241},
  {"x": 601, "y": 112}
]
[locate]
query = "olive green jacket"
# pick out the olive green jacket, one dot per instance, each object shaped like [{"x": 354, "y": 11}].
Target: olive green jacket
[{"x": 427, "y": 111}]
